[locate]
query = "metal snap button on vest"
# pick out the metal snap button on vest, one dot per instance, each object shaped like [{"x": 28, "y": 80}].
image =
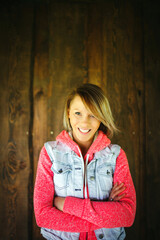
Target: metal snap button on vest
[
  {"x": 101, "y": 236},
  {"x": 92, "y": 178}
]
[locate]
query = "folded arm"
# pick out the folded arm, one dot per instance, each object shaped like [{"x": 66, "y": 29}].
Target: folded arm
[
  {"x": 47, "y": 215},
  {"x": 108, "y": 214}
]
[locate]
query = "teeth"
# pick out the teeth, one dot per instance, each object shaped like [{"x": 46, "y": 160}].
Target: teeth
[{"x": 84, "y": 131}]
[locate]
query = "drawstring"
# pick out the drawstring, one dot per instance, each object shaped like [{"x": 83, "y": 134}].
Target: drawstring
[
  {"x": 84, "y": 172},
  {"x": 86, "y": 163}
]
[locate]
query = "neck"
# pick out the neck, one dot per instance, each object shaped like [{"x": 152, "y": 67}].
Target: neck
[{"x": 84, "y": 148}]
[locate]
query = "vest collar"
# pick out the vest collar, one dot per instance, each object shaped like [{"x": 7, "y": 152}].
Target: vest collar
[{"x": 100, "y": 142}]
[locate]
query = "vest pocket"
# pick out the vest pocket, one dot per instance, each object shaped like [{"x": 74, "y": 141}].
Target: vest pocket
[
  {"x": 105, "y": 177},
  {"x": 61, "y": 175},
  {"x": 110, "y": 233},
  {"x": 117, "y": 233}
]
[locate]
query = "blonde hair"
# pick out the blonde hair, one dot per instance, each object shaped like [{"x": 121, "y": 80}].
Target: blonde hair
[{"x": 94, "y": 99}]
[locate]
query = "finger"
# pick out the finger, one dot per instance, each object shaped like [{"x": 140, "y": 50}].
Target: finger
[
  {"x": 116, "y": 193},
  {"x": 121, "y": 189},
  {"x": 119, "y": 197},
  {"x": 116, "y": 184},
  {"x": 117, "y": 187}
]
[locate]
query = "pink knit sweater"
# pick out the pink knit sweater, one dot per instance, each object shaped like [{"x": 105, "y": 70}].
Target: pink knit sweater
[{"x": 83, "y": 215}]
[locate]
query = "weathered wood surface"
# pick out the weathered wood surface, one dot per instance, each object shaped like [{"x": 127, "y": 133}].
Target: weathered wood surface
[
  {"x": 15, "y": 52},
  {"x": 152, "y": 116},
  {"x": 47, "y": 47},
  {"x": 124, "y": 80}
]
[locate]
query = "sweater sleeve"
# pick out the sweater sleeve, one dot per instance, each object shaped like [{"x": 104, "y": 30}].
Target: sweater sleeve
[
  {"x": 108, "y": 214},
  {"x": 46, "y": 214}
]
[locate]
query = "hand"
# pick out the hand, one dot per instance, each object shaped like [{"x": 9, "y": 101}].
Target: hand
[
  {"x": 59, "y": 203},
  {"x": 116, "y": 190}
]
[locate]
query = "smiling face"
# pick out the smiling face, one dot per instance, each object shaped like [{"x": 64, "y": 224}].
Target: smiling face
[{"x": 84, "y": 124}]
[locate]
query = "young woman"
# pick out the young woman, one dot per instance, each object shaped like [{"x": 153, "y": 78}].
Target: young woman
[{"x": 84, "y": 188}]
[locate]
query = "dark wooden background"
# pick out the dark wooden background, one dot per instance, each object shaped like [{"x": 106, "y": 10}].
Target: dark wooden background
[{"x": 45, "y": 48}]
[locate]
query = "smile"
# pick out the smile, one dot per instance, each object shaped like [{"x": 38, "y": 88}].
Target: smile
[{"x": 84, "y": 130}]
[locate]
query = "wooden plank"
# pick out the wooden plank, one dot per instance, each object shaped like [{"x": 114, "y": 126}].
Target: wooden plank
[
  {"x": 59, "y": 65},
  {"x": 123, "y": 74},
  {"x": 152, "y": 86},
  {"x": 94, "y": 45},
  {"x": 15, "y": 50},
  {"x": 40, "y": 88},
  {"x": 74, "y": 42},
  {"x": 68, "y": 65}
]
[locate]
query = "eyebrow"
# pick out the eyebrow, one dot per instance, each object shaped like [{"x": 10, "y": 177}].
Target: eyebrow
[{"x": 76, "y": 109}]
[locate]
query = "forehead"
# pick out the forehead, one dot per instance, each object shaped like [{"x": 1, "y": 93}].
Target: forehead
[{"x": 77, "y": 102}]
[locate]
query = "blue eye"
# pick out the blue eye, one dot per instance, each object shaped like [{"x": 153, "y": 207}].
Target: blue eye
[{"x": 78, "y": 113}]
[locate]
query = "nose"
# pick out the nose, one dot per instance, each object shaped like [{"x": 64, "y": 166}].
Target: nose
[{"x": 85, "y": 119}]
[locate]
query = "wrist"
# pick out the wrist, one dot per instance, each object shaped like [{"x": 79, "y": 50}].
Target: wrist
[{"x": 59, "y": 203}]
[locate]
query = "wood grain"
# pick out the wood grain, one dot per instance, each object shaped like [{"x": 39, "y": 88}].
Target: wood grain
[
  {"x": 95, "y": 44},
  {"x": 40, "y": 89},
  {"x": 152, "y": 113},
  {"x": 15, "y": 66},
  {"x": 49, "y": 47}
]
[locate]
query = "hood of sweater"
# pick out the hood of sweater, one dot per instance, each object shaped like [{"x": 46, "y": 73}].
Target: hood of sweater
[{"x": 99, "y": 143}]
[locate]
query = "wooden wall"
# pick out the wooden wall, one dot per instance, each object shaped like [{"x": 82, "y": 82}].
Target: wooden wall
[{"x": 46, "y": 47}]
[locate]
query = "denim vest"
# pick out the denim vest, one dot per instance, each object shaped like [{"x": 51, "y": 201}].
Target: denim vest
[{"x": 70, "y": 174}]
